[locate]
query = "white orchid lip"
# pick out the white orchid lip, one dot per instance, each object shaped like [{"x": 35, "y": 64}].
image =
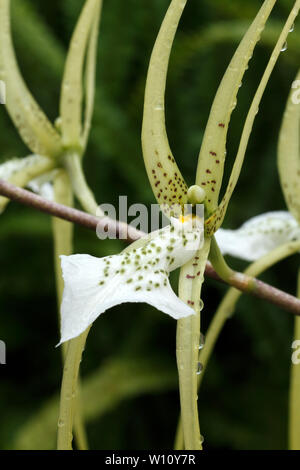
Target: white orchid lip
[
  {"x": 21, "y": 171},
  {"x": 93, "y": 285},
  {"x": 43, "y": 185},
  {"x": 259, "y": 235}
]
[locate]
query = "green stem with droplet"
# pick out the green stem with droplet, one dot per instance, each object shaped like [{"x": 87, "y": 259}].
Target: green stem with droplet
[
  {"x": 294, "y": 407},
  {"x": 226, "y": 310},
  {"x": 68, "y": 396},
  {"x": 63, "y": 242},
  {"x": 187, "y": 346}
]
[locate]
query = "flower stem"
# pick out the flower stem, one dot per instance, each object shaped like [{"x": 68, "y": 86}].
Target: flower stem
[
  {"x": 217, "y": 260},
  {"x": 187, "y": 349},
  {"x": 62, "y": 230},
  {"x": 294, "y": 403},
  {"x": 226, "y": 310},
  {"x": 69, "y": 390},
  {"x": 81, "y": 190},
  {"x": 63, "y": 242}
]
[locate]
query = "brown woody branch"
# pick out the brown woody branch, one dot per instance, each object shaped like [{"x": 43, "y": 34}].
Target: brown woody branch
[{"x": 130, "y": 234}]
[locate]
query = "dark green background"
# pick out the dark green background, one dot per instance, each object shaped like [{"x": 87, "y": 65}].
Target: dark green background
[{"x": 243, "y": 402}]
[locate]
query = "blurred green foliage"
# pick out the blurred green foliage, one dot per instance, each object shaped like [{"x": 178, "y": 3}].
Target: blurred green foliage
[{"x": 244, "y": 398}]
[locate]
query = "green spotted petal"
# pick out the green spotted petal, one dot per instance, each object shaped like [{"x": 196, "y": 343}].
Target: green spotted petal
[
  {"x": 288, "y": 152},
  {"x": 216, "y": 219},
  {"x": 163, "y": 173},
  {"x": 72, "y": 86},
  {"x": 94, "y": 285},
  {"x": 213, "y": 150},
  {"x": 35, "y": 129},
  {"x": 20, "y": 171}
]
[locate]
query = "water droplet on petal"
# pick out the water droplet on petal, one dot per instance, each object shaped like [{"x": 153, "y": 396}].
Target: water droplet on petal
[
  {"x": 284, "y": 47},
  {"x": 292, "y": 28},
  {"x": 233, "y": 106},
  {"x": 199, "y": 368},
  {"x": 202, "y": 341},
  {"x": 201, "y": 305}
]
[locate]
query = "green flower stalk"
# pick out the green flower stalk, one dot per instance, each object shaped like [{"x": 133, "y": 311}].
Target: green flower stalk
[
  {"x": 294, "y": 401},
  {"x": 227, "y": 308},
  {"x": 63, "y": 245},
  {"x": 265, "y": 239}
]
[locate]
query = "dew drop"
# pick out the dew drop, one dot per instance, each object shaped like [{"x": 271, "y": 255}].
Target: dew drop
[
  {"x": 201, "y": 439},
  {"x": 202, "y": 341},
  {"x": 284, "y": 47},
  {"x": 60, "y": 423},
  {"x": 201, "y": 304},
  {"x": 292, "y": 28},
  {"x": 199, "y": 368},
  {"x": 233, "y": 106}
]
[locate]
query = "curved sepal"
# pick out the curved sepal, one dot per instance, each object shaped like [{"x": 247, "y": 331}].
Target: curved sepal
[
  {"x": 34, "y": 127},
  {"x": 72, "y": 84},
  {"x": 216, "y": 219},
  {"x": 166, "y": 180},
  {"x": 90, "y": 76},
  {"x": 213, "y": 150}
]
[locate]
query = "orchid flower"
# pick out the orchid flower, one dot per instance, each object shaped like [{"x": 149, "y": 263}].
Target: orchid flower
[
  {"x": 57, "y": 146},
  {"x": 259, "y": 235},
  {"x": 93, "y": 285},
  {"x": 169, "y": 185},
  {"x": 62, "y": 144}
]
